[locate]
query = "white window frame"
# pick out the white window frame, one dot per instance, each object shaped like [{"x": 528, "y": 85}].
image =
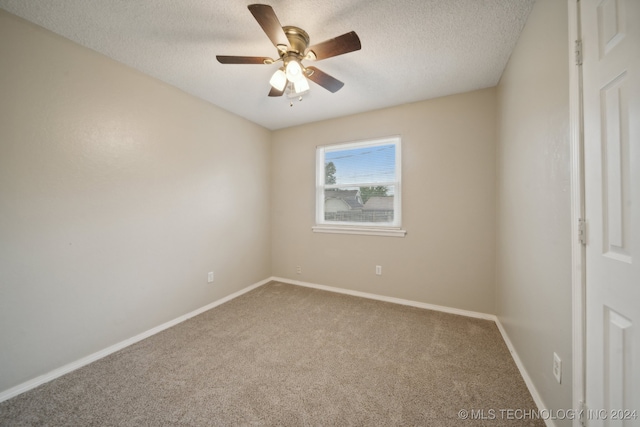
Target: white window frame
[{"x": 392, "y": 229}]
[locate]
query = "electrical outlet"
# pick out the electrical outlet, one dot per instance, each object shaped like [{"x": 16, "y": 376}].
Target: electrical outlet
[
  {"x": 379, "y": 270},
  {"x": 210, "y": 277},
  {"x": 298, "y": 269},
  {"x": 557, "y": 367}
]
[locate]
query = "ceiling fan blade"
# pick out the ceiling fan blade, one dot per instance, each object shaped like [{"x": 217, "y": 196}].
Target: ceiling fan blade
[
  {"x": 275, "y": 92},
  {"x": 268, "y": 20},
  {"x": 345, "y": 43},
  {"x": 223, "y": 59},
  {"x": 325, "y": 80}
]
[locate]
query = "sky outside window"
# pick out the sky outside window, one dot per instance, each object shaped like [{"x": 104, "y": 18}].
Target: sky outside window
[{"x": 364, "y": 165}]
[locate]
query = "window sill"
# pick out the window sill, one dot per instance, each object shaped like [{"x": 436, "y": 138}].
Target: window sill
[{"x": 368, "y": 231}]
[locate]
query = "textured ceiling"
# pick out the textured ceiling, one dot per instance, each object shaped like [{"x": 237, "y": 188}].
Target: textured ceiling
[{"x": 411, "y": 49}]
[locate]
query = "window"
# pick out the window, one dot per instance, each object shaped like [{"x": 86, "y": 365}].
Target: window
[{"x": 358, "y": 188}]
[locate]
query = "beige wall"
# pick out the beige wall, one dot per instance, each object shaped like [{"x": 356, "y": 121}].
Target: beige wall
[
  {"x": 534, "y": 234},
  {"x": 118, "y": 194},
  {"x": 448, "y": 160}
]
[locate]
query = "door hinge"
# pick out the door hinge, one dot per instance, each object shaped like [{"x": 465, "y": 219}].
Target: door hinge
[
  {"x": 582, "y": 231},
  {"x": 582, "y": 413},
  {"x": 578, "y": 51}
]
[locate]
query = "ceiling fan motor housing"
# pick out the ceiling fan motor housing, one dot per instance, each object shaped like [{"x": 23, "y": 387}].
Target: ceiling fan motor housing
[{"x": 298, "y": 39}]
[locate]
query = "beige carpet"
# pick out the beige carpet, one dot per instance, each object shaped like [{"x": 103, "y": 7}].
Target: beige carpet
[{"x": 292, "y": 356}]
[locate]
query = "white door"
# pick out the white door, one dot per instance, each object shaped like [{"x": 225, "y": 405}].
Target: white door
[{"x": 611, "y": 94}]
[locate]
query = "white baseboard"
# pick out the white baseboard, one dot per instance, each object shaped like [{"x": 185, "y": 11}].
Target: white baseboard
[
  {"x": 35, "y": 382},
  {"x": 394, "y": 300},
  {"x": 525, "y": 375}
]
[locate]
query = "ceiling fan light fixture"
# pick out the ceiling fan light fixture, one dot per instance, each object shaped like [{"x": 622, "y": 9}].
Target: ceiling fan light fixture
[
  {"x": 301, "y": 86},
  {"x": 294, "y": 71},
  {"x": 278, "y": 80}
]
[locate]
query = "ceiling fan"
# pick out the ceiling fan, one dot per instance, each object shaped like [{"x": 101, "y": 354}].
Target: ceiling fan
[{"x": 293, "y": 47}]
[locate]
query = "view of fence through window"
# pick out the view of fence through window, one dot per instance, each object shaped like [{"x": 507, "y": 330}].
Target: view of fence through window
[{"x": 360, "y": 183}]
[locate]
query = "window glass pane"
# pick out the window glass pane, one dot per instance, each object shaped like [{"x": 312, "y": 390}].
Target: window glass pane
[
  {"x": 371, "y": 204},
  {"x": 358, "y": 185},
  {"x": 360, "y": 165}
]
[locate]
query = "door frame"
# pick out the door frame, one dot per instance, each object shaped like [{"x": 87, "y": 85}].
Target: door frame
[{"x": 578, "y": 252}]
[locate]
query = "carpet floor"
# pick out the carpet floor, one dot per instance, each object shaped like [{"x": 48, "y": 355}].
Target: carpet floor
[{"x": 293, "y": 356}]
